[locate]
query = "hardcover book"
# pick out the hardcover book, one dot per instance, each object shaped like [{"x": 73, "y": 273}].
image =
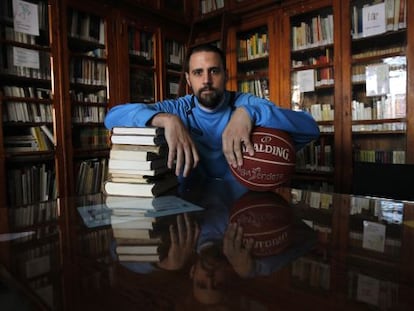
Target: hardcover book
[
  {"x": 136, "y": 155},
  {"x": 152, "y": 189},
  {"x": 118, "y": 164}
]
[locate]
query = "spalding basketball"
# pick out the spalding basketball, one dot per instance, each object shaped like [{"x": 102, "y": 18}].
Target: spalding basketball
[
  {"x": 273, "y": 162},
  {"x": 267, "y": 218}
]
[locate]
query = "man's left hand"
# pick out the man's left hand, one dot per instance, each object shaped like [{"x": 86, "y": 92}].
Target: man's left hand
[{"x": 236, "y": 137}]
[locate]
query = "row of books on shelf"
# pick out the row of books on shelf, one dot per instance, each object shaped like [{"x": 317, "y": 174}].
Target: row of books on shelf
[
  {"x": 380, "y": 52},
  {"x": 27, "y": 112},
  {"x": 314, "y": 60},
  {"x": 322, "y": 112},
  {"x": 254, "y": 46},
  {"x": 91, "y": 137},
  {"x": 37, "y": 66},
  {"x": 259, "y": 87},
  {"x": 383, "y": 74},
  {"x": 35, "y": 138},
  {"x": 27, "y": 92},
  {"x": 99, "y": 97},
  {"x": 20, "y": 37},
  {"x": 87, "y": 114},
  {"x": 34, "y": 214},
  {"x": 207, "y": 6},
  {"x": 87, "y": 71},
  {"x": 31, "y": 184},
  {"x": 380, "y": 127},
  {"x": 393, "y": 14},
  {"x": 317, "y": 31},
  {"x": 86, "y": 26},
  {"x": 379, "y": 156},
  {"x": 174, "y": 52},
  {"x": 387, "y": 107},
  {"x": 315, "y": 157},
  {"x": 91, "y": 175},
  {"x": 141, "y": 43}
]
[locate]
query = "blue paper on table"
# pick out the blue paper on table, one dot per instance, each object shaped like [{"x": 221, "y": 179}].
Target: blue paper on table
[
  {"x": 170, "y": 205},
  {"x": 95, "y": 215}
]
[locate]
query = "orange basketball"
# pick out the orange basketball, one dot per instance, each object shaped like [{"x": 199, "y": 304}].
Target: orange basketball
[
  {"x": 273, "y": 162},
  {"x": 265, "y": 217}
]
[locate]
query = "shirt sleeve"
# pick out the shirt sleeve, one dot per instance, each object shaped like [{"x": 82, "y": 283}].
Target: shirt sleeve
[
  {"x": 299, "y": 124},
  {"x": 139, "y": 114}
]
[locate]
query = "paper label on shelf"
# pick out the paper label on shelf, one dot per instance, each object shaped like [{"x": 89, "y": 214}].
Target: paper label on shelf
[
  {"x": 306, "y": 80},
  {"x": 374, "y": 236},
  {"x": 377, "y": 79},
  {"x": 26, "y": 58},
  {"x": 373, "y": 19},
  {"x": 26, "y": 18}
]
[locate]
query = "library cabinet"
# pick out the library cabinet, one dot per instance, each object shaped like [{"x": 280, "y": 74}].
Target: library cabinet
[
  {"x": 95, "y": 55},
  {"x": 310, "y": 71}
]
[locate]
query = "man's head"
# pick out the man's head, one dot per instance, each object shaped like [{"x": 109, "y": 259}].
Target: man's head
[
  {"x": 206, "y": 74},
  {"x": 211, "y": 275}
]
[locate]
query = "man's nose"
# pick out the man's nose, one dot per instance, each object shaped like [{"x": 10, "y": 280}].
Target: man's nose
[{"x": 207, "y": 78}]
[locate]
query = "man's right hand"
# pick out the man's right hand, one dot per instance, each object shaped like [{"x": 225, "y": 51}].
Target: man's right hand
[{"x": 181, "y": 147}]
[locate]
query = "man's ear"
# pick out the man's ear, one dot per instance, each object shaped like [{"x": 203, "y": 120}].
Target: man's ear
[{"x": 187, "y": 78}]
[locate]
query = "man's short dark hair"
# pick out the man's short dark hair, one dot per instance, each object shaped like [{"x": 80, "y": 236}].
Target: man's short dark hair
[{"x": 204, "y": 48}]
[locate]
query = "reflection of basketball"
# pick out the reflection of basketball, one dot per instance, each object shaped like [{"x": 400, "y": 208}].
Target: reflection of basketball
[
  {"x": 272, "y": 164},
  {"x": 267, "y": 218}
]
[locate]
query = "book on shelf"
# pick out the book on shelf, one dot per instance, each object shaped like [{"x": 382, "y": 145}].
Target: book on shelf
[
  {"x": 150, "y": 189},
  {"x": 153, "y": 164}
]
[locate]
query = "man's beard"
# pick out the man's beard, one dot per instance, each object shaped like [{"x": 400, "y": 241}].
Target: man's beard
[{"x": 211, "y": 100}]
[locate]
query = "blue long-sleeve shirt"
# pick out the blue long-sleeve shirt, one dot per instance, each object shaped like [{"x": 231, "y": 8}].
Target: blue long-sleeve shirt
[{"x": 206, "y": 126}]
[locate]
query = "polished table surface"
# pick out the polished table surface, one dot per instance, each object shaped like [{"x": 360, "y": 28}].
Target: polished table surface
[{"x": 345, "y": 253}]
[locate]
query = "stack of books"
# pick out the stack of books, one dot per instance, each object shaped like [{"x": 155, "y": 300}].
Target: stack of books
[
  {"x": 140, "y": 225},
  {"x": 137, "y": 163}
]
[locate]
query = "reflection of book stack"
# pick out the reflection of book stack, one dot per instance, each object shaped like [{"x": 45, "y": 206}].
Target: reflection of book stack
[
  {"x": 138, "y": 163},
  {"x": 140, "y": 225},
  {"x": 140, "y": 238}
]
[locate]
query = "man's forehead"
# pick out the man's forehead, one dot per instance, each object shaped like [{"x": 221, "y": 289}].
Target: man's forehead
[{"x": 205, "y": 59}]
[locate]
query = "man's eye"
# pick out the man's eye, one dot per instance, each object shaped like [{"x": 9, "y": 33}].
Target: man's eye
[
  {"x": 197, "y": 73},
  {"x": 215, "y": 71}
]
